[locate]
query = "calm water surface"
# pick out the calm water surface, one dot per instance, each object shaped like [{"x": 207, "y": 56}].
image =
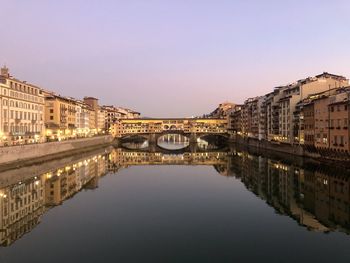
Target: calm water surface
[{"x": 120, "y": 205}]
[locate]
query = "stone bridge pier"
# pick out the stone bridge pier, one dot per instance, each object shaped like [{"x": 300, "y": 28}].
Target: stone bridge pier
[
  {"x": 193, "y": 138},
  {"x": 153, "y": 138}
]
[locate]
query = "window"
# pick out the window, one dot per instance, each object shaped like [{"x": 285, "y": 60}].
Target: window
[{"x": 51, "y": 117}]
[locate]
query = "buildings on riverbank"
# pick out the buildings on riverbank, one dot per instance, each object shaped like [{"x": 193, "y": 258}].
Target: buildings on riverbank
[
  {"x": 313, "y": 112},
  {"x": 31, "y": 114},
  {"x": 21, "y": 109}
]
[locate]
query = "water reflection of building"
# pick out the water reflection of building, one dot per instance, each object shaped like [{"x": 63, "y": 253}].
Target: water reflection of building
[
  {"x": 317, "y": 199},
  {"x": 23, "y": 203},
  {"x": 21, "y": 206},
  {"x": 65, "y": 182},
  {"x": 331, "y": 197},
  {"x": 276, "y": 183}
]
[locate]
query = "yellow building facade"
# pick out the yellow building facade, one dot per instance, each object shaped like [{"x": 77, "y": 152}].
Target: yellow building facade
[{"x": 60, "y": 117}]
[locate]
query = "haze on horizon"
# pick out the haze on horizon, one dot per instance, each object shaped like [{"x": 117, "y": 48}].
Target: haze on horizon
[{"x": 172, "y": 58}]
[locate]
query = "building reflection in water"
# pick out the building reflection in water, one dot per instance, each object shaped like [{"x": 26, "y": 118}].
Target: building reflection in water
[
  {"x": 24, "y": 202},
  {"x": 314, "y": 197}
]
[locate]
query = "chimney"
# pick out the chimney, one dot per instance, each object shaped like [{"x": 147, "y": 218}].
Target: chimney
[{"x": 5, "y": 72}]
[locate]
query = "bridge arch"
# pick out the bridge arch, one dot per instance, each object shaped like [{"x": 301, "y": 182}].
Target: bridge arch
[
  {"x": 174, "y": 141},
  {"x": 134, "y": 137}
]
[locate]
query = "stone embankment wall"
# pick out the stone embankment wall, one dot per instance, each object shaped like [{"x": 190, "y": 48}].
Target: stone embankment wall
[
  {"x": 290, "y": 149},
  {"x": 50, "y": 150},
  {"x": 266, "y": 145}
]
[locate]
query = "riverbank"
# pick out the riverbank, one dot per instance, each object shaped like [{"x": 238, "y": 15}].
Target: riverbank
[
  {"x": 295, "y": 150},
  {"x": 17, "y": 156}
]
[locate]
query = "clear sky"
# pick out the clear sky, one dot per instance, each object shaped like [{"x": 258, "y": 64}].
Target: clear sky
[{"x": 172, "y": 58}]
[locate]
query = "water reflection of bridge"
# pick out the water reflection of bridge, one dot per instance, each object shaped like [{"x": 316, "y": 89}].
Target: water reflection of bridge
[
  {"x": 316, "y": 198},
  {"x": 127, "y": 158},
  {"x": 29, "y": 192},
  {"x": 159, "y": 148}
]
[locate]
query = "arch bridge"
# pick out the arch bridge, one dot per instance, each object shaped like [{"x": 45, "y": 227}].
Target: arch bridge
[{"x": 152, "y": 129}]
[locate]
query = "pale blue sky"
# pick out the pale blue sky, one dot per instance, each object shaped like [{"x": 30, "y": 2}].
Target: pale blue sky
[{"x": 172, "y": 58}]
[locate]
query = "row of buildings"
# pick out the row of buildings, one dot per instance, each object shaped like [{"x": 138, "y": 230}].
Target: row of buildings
[
  {"x": 313, "y": 112},
  {"x": 31, "y": 114}
]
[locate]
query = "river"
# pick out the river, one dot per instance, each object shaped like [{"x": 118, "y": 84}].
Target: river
[{"x": 136, "y": 205}]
